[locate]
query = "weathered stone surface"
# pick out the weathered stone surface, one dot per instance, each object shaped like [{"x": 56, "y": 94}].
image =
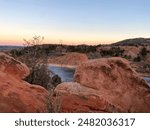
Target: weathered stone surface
[
  {"x": 17, "y": 95},
  {"x": 108, "y": 72},
  {"x": 108, "y": 85},
  {"x": 71, "y": 59},
  {"x": 131, "y": 51},
  {"x": 77, "y": 98},
  {"x": 13, "y": 67}
]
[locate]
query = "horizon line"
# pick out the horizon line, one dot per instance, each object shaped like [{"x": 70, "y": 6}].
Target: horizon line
[{"x": 61, "y": 42}]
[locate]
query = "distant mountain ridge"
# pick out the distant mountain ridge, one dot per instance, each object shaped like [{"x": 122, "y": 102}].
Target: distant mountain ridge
[{"x": 134, "y": 41}]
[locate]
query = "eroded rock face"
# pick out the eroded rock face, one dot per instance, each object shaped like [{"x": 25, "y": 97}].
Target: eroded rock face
[
  {"x": 77, "y": 98},
  {"x": 17, "y": 95},
  {"x": 71, "y": 59},
  {"x": 108, "y": 72},
  {"x": 13, "y": 67},
  {"x": 131, "y": 51},
  {"x": 105, "y": 85}
]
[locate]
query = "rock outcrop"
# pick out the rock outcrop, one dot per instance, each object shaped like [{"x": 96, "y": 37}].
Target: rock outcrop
[
  {"x": 130, "y": 51},
  {"x": 77, "y": 98},
  {"x": 104, "y": 85},
  {"x": 17, "y": 95},
  {"x": 72, "y": 59},
  {"x": 13, "y": 67}
]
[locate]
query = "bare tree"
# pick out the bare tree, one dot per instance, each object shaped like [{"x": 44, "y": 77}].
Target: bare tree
[
  {"x": 37, "y": 61},
  {"x": 33, "y": 53}
]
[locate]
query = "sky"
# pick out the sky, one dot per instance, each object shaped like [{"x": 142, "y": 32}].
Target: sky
[{"x": 74, "y": 21}]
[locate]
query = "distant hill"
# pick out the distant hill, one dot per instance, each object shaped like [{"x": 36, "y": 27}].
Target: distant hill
[
  {"x": 134, "y": 41},
  {"x": 7, "y": 48}
]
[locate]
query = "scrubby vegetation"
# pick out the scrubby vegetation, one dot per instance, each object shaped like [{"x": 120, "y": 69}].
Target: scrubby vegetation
[
  {"x": 113, "y": 51},
  {"x": 141, "y": 56},
  {"x": 134, "y": 50},
  {"x": 137, "y": 59},
  {"x": 37, "y": 61},
  {"x": 143, "y": 52}
]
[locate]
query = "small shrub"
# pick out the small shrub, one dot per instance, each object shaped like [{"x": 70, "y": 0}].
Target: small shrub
[
  {"x": 37, "y": 61},
  {"x": 15, "y": 53},
  {"x": 56, "y": 80},
  {"x": 143, "y": 52},
  {"x": 40, "y": 75},
  {"x": 137, "y": 59}
]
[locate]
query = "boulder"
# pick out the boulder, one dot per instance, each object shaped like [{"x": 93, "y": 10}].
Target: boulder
[
  {"x": 17, "y": 95},
  {"x": 13, "y": 67},
  {"x": 105, "y": 85},
  {"x": 77, "y": 98}
]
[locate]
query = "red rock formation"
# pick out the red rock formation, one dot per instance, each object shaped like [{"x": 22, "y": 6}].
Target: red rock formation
[
  {"x": 131, "y": 51},
  {"x": 13, "y": 67},
  {"x": 105, "y": 85},
  {"x": 17, "y": 95},
  {"x": 71, "y": 59},
  {"x": 148, "y": 58},
  {"x": 77, "y": 98}
]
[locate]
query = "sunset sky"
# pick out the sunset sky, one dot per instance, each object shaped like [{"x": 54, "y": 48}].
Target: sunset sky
[{"x": 74, "y": 21}]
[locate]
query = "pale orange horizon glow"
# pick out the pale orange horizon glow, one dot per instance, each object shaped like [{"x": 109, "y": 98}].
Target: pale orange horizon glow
[
  {"x": 13, "y": 34},
  {"x": 13, "y": 37},
  {"x": 19, "y": 41}
]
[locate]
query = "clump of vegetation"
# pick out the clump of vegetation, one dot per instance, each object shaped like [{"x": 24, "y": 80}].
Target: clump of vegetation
[
  {"x": 54, "y": 49},
  {"x": 146, "y": 68},
  {"x": 81, "y": 48},
  {"x": 37, "y": 61},
  {"x": 40, "y": 75},
  {"x": 56, "y": 80},
  {"x": 16, "y": 53},
  {"x": 143, "y": 52},
  {"x": 137, "y": 59},
  {"x": 141, "y": 56},
  {"x": 113, "y": 51},
  {"x": 127, "y": 57}
]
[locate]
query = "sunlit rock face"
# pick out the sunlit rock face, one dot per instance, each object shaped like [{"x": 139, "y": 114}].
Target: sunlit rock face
[
  {"x": 71, "y": 59},
  {"x": 17, "y": 95},
  {"x": 104, "y": 85}
]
